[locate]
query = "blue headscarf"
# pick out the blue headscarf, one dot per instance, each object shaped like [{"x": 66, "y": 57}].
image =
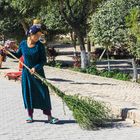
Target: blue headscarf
[{"x": 33, "y": 30}]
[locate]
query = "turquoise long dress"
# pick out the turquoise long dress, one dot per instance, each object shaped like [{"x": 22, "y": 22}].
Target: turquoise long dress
[{"x": 35, "y": 93}]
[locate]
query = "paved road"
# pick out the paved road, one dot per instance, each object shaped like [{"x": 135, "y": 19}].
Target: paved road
[
  {"x": 114, "y": 92},
  {"x": 13, "y": 126}
]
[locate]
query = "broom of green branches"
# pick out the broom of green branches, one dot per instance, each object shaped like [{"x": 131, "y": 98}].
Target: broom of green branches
[{"x": 88, "y": 113}]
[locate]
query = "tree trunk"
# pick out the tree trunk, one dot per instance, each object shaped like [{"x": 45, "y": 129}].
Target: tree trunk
[
  {"x": 83, "y": 51},
  {"x": 108, "y": 60},
  {"x": 89, "y": 51},
  {"x": 73, "y": 38},
  {"x": 102, "y": 54},
  {"x": 83, "y": 59},
  {"x": 135, "y": 73},
  {"x": 24, "y": 26}
]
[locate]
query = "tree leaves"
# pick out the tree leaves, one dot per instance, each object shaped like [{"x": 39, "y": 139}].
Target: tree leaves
[
  {"x": 108, "y": 25},
  {"x": 133, "y": 23}
]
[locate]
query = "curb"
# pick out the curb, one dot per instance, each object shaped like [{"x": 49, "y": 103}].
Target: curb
[{"x": 127, "y": 114}]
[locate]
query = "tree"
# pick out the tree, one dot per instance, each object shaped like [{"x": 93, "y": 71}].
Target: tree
[
  {"x": 108, "y": 24},
  {"x": 27, "y": 10},
  {"x": 51, "y": 17},
  {"x": 9, "y": 24},
  {"x": 133, "y": 23},
  {"x": 44, "y": 10},
  {"x": 76, "y": 13}
]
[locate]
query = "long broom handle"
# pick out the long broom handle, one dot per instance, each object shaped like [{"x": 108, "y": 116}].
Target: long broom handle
[
  {"x": 40, "y": 78},
  {"x": 36, "y": 74}
]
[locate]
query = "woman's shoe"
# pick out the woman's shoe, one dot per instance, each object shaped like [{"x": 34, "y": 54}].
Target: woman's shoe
[
  {"x": 29, "y": 120},
  {"x": 53, "y": 120}
]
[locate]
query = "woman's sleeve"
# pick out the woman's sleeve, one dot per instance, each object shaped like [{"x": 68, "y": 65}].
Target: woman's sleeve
[{"x": 43, "y": 59}]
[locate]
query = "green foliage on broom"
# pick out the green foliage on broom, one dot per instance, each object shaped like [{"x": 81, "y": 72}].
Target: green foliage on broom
[{"x": 89, "y": 113}]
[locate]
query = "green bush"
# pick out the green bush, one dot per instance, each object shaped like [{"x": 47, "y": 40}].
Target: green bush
[
  {"x": 55, "y": 64},
  {"x": 122, "y": 76},
  {"x": 106, "y": 73},
  {"x": 116, "y": 74},
  {"x": 92, "y": 70}
]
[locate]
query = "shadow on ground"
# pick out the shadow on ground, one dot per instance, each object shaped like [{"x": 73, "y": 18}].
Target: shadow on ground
[
  {"x": 3, "y": 68},
  {"x": 59, "y": 123},
  {"x": 80, "y": 83},
  {"x": 59, "y": 80},
  {"x": 114, "y": 123}
]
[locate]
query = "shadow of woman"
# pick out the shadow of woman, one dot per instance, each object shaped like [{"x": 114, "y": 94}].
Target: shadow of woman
[{"x": 60, "y": 122}]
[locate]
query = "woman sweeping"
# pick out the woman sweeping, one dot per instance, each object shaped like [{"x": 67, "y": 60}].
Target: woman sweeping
[{"x": 35, "y": 94}]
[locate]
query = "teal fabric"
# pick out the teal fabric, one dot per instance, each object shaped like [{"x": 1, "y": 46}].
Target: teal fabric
[{"x": 35, "y": 93}]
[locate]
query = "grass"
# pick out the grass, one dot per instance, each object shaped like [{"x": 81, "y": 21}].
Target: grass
[{"x": 116, "y": 74}]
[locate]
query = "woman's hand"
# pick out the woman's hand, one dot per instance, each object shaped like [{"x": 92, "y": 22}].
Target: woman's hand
[{"x": 32, "y": 70}]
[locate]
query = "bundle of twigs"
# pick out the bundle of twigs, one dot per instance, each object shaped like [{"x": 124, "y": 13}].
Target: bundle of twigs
[{"x": 88, "y": 113}]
